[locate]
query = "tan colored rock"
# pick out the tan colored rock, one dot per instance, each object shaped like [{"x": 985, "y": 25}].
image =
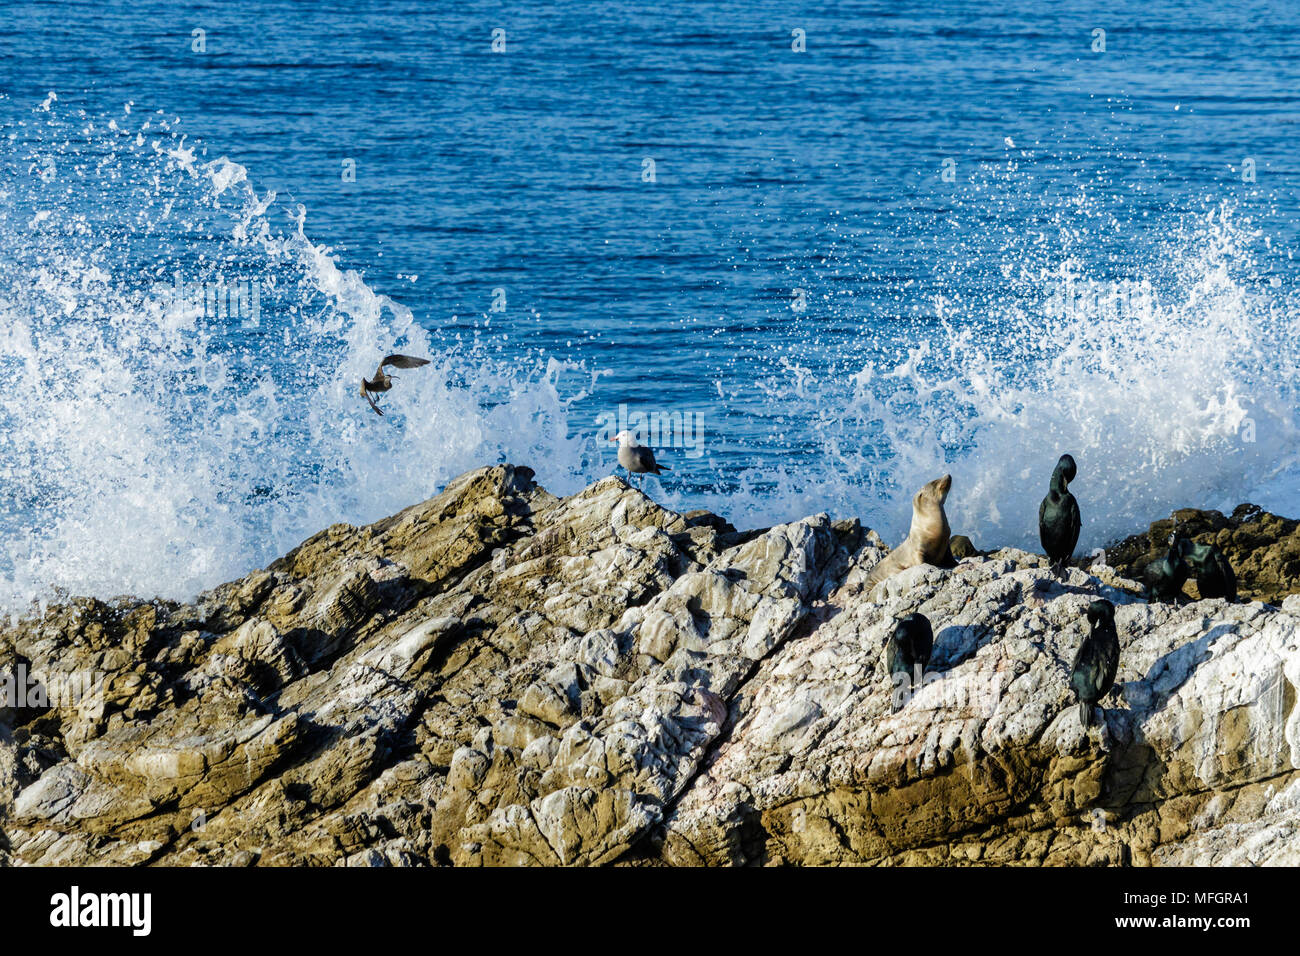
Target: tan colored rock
[{"x": 500, "y": 677}]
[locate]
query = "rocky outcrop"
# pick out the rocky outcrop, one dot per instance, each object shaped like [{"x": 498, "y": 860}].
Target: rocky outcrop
[
  {"x": 1264, "y": 549},
  {"x": 498, "y": 677},
  {"x": 987, "y": 763}
]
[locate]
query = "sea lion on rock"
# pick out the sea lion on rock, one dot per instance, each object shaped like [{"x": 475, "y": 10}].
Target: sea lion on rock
[
  {"x": 1058, "y": 516},
  {"x": 1092, "y": 674},
  {"x": 927, "y": 541},
  {"x": 906, "y": 655},
  {"x": 960, "y": 547}
]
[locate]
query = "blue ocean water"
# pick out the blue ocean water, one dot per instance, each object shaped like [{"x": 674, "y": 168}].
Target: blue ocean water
[{"x": 848, "y": 249}]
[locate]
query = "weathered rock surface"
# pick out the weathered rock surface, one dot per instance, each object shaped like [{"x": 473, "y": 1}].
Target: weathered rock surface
[
  {"x": 497, "y": 677},
  {"x": 987, "y": 763}
]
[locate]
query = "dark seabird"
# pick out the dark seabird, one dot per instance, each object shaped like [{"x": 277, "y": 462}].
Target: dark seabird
[
  {"x": 1164, "y": 578},
  {"x": 1092, "y": 674},
  {"x": 1214, "y": 575},
  {"x": 907, "y": 653},
  {"x": 382, "y": 381},
  {"x": 1058, "y": 516},
  {"x": 635, "y": 457}
]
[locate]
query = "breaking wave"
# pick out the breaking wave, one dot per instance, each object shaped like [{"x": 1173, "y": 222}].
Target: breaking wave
[{"x": 179, "y": 365}]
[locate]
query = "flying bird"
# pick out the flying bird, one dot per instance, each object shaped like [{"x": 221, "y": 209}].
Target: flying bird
[{"x": 382, "y": 381}]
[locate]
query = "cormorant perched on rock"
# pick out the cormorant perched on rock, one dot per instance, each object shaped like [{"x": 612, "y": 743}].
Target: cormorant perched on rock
[
  {"x": 1165, "y": 578},
  {"x": 382, "y": 381},
  {"x": 1214, "y": 575},
  {"x": 1092, "y": 674},
  {"x": 907, "y": 652},
  {"x": 1058, "y": 516}
]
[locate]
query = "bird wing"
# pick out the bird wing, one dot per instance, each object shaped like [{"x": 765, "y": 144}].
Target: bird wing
[
  {"x": 366, "y": 395},
  {"x": 1160, "y": 576},
  {"x": 1111, "y": 659},
  {"x": 1075, "y": 521},
  {"x": 1059, "y": 525},
  {"x": 403, "y": 361},
  {"x": 1229, "y": 575},
  {"x": 896, "y": 657},
  {"x": 643, "y": 457},
  {"x": 1078, "y": 654},
  {"x": 923, "y": 641},
  {"x": 1080, "y": 661}
]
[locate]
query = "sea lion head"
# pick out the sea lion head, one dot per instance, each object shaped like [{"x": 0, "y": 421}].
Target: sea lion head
[
  {"x": 935, "y": 492},
  {"x": 930, "y": 531}
]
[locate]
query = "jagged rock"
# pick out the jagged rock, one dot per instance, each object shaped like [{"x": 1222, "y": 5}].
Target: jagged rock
[
  {"x": 1264, "y": 549},
  {"x": 987, "y": 762},
  {"x": 497, "y": 676}
]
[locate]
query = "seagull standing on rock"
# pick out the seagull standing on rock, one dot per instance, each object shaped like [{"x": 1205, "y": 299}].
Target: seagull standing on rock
[{"x": 635, "y": 457}]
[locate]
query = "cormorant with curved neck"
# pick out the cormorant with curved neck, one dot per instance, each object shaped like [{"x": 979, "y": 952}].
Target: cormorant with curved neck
[
  {"x": 1165, "y": 577},
  {"x": 1058, "y": 516}
]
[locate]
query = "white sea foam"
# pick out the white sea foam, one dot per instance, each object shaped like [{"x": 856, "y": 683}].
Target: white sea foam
[
  {"x": 1183, "y": 398},
  {"x": 1181, "y": 395},
  {"x": 149, "y": 447}
]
